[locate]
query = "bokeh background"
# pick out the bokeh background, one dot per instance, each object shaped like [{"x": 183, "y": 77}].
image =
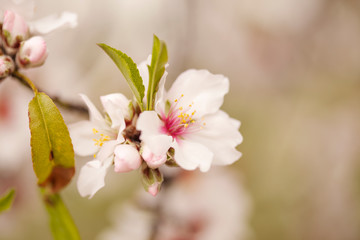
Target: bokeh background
[{"x": 294, "y": 70}]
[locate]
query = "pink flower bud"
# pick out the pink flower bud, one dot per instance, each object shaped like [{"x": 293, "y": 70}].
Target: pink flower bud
[
  {"x": 7, "y": 66},
  {"x": 32, "y": 53},
  {"x": 151, "y": 179},
  {"x": 154, "y": 188},
  {"x": 127, "y": 158},
  {"x": 14, "y": 30},
  {"x": 153, "y": 160}
]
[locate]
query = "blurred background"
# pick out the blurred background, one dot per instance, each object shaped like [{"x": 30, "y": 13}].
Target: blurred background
[{"x": 294, "y": 70}]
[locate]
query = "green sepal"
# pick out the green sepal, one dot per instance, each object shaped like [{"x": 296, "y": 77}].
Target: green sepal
[
  {"x": 156, "y": 70},
  {"x": 51, "y": 148},
  {"x": 129, "y": 70},
  {"x": 7, "y": 200}
]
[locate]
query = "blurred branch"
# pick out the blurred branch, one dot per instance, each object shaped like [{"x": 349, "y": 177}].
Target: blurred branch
[{"x": 61, "y": 103}]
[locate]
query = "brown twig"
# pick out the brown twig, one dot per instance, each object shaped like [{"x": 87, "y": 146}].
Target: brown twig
[{"x": 63, "y": 104}]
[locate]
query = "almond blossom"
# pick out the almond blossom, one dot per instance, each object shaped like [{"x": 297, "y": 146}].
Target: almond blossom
[
  {"x": 189, "y": 114},
  {"x": 102, "y": 137}
]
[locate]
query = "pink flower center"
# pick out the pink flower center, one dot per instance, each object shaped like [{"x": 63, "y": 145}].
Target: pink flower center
[{"x": 179, "y": 121}]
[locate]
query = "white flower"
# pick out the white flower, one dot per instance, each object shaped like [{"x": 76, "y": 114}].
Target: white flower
[
  {"x": 101, "y": 136},
  {"x": 187, "y": 118}
]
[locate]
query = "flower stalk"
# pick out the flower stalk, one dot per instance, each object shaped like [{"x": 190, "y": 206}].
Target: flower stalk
[{"x": 61, "y": 223}]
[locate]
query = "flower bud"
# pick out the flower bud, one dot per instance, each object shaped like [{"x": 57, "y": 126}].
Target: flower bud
[
  {"x": 32, "y": 53},
  {"x": 151, "y": 179},
  {"x": 153, "y": 160},
  {"x": 14, "y": 31},
  {"x": 7, "y": 66},
  {"x": 127, "y": 158}
]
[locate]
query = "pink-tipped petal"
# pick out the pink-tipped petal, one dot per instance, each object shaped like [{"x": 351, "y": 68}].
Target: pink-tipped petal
[
  {"x": 14, "y": 29},
  {"x": 127, "y": 158},
  {"x": 32, "y": 53}
]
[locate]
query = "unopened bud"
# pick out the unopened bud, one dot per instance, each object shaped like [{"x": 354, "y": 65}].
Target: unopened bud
[
  {"x": 151, "y": 179},
  {"x": 7, "y": 66},
  {"x": 32, "y": 53},
  {"x": 127, "y": 158},
  {"x": 153, "y": 160},
  {"x": 14, "y": 31}
]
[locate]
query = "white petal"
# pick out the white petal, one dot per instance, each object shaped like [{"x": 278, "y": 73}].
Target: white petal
[
  {"x": 53, "y": 22},
  {"x": 154, "y": 141},
  {"x": 107, "y": 150},
  {"x": 117, "y": 106},
  {"x": 81, "y": 134},
  {"x": 191, "y": 155},
  {"x": 152, "y": 160},
  {"x": 221, "y": 135},
  {"x": 161, "y": 94},
  {"x": 201, "y": 89},
  {"x": 95, "y": 115},
  {"x": 92, "y": 177},
  {"x": 144, "y": 72},
  {"x": 149, "y": 124},
  {"x": 158, "y": 144}
]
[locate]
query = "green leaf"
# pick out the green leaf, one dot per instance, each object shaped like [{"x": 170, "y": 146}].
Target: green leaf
[
  {"x": 61, "y": 223},
  {"x": 51, "y": 148},
  {"x": 156, "y": 70},
  {"x": 6, "y": 200},
  {"x": 129, "y": 69}
]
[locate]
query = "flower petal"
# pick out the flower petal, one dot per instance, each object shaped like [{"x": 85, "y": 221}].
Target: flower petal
[
  {"x": 127, "y": 158},
  {"x": 53, "y": 22},
  {"x": 155, "y": 143},
  {"x": 81, "y": 134},
  {"x": 149, "y": 124},
  {"x": 154, "y": 150},
  {"x": 116, "y": 106},
  {"x": 221, "y": 135},
  {"x": 92, "y": 177},
  {"x": 95, "y": 115},
  {"x": 107, "y": 150},
  {"x": 201, "y": 89},
  {"x": 191, "y": 155},
  {"x": 144, "y": 72}
]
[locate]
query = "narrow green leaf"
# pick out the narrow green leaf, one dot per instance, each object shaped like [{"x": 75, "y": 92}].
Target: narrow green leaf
[
  {"x": 156, "y": 70},
  {"x": 6, "y": 200},
  {"x": 129, "y": 69},
  {"x": 61, "y": 223},
  {"x": 51, "y": 148}
]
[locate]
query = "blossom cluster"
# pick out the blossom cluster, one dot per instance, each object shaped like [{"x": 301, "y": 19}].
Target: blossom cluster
[
  {"x": 186, "y": 128},
  {"x": 18, "y": 44},
  {"x": 21, "y": 45}
]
